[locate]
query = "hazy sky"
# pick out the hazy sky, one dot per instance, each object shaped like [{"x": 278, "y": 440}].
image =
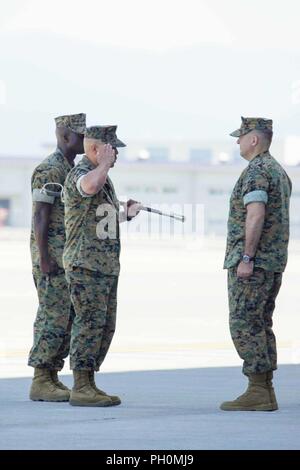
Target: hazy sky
[
  {"x": 158, "y": 68},
  {"x": 157, "y": 25}
]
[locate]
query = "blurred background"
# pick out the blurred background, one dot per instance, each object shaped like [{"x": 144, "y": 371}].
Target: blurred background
[{"x": 175, "y": 76}]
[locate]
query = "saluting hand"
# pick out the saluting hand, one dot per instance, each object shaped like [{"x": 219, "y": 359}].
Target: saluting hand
[{"x": 106, "y": 155}]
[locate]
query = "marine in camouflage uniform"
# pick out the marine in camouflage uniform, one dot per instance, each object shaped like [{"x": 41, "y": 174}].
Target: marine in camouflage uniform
[
  {"x": 91, "y": 260},
  {"x": 55, "y": 312},
  {"x": 252, "y": 298}
]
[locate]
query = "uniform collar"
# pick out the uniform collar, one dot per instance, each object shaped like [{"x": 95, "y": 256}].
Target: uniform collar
[
  {"x": 261, "y": 155},
  {"x": 59, "y": 154},
  {"x": 87, "y": 162}
]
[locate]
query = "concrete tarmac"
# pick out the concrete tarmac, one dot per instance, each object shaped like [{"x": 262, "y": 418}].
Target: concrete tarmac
[
  {"x": 171, "y": 361},
  {"x": 161, "y": 410}
]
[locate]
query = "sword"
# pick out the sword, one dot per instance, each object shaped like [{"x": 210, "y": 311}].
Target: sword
[{"x": 171, "y": 214}]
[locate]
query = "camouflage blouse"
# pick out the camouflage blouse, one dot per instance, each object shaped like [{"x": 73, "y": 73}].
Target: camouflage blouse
[
  {"x": 92, "y": 225},
  {"x": 53, "y": 169},
  {"x": 264, "y": 180}
]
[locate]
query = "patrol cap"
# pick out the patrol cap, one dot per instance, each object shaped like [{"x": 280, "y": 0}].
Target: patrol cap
[
  {"x": 75, "y": 122},
  {"x": 107, "y": 135},
  {"x": 251, "y": 123}
]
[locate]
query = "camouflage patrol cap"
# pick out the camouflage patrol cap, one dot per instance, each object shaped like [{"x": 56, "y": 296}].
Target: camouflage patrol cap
[
  {"x": 75, "y": 122},
  {"x": 107, "y": 135},
  {"x": 249, "y": 124}
]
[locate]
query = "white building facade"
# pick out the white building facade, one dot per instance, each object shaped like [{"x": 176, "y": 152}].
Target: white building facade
[{"x": 172, "y": 182}]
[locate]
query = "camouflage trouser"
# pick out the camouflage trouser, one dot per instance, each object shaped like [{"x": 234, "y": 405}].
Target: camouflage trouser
[
  {"x": 52, "y": 326},
  {"x": 251, "y": 306},
  {"x": 94, "y": 296}
]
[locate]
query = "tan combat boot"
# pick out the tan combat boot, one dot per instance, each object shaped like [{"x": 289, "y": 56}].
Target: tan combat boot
[
  {"x": 44, "y": 389},
  {"x": 115, "y": 400},
  {"x": 271, "y": 390},
  {"x": 83, "y": 394},
  {"x": 256, "y": 398},
  {"x": 57, "y": 382}
]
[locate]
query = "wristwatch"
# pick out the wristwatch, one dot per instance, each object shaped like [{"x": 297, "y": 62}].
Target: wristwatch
[{"x": 247, "y": 259}]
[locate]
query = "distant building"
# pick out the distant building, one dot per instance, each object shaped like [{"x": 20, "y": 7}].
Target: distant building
[
  {"x": 201, "y": 156},
  {"x": 15, "y": 196},
  {"x": 152, "y": 182},
  {"x": 158, "y": 154}
]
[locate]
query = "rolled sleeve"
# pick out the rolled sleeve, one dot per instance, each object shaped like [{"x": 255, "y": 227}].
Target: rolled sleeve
[
  {"x": 39, "y": 196},
  {"x": 41, "y": 176},
  {"x": 255, "y": 196},
  {"x": 255, "y": 186},
  {"x": 79, "y": 188}
]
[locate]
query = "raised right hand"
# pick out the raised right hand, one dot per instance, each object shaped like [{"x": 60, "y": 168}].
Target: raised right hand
[{"x": 106, "y": 155}]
